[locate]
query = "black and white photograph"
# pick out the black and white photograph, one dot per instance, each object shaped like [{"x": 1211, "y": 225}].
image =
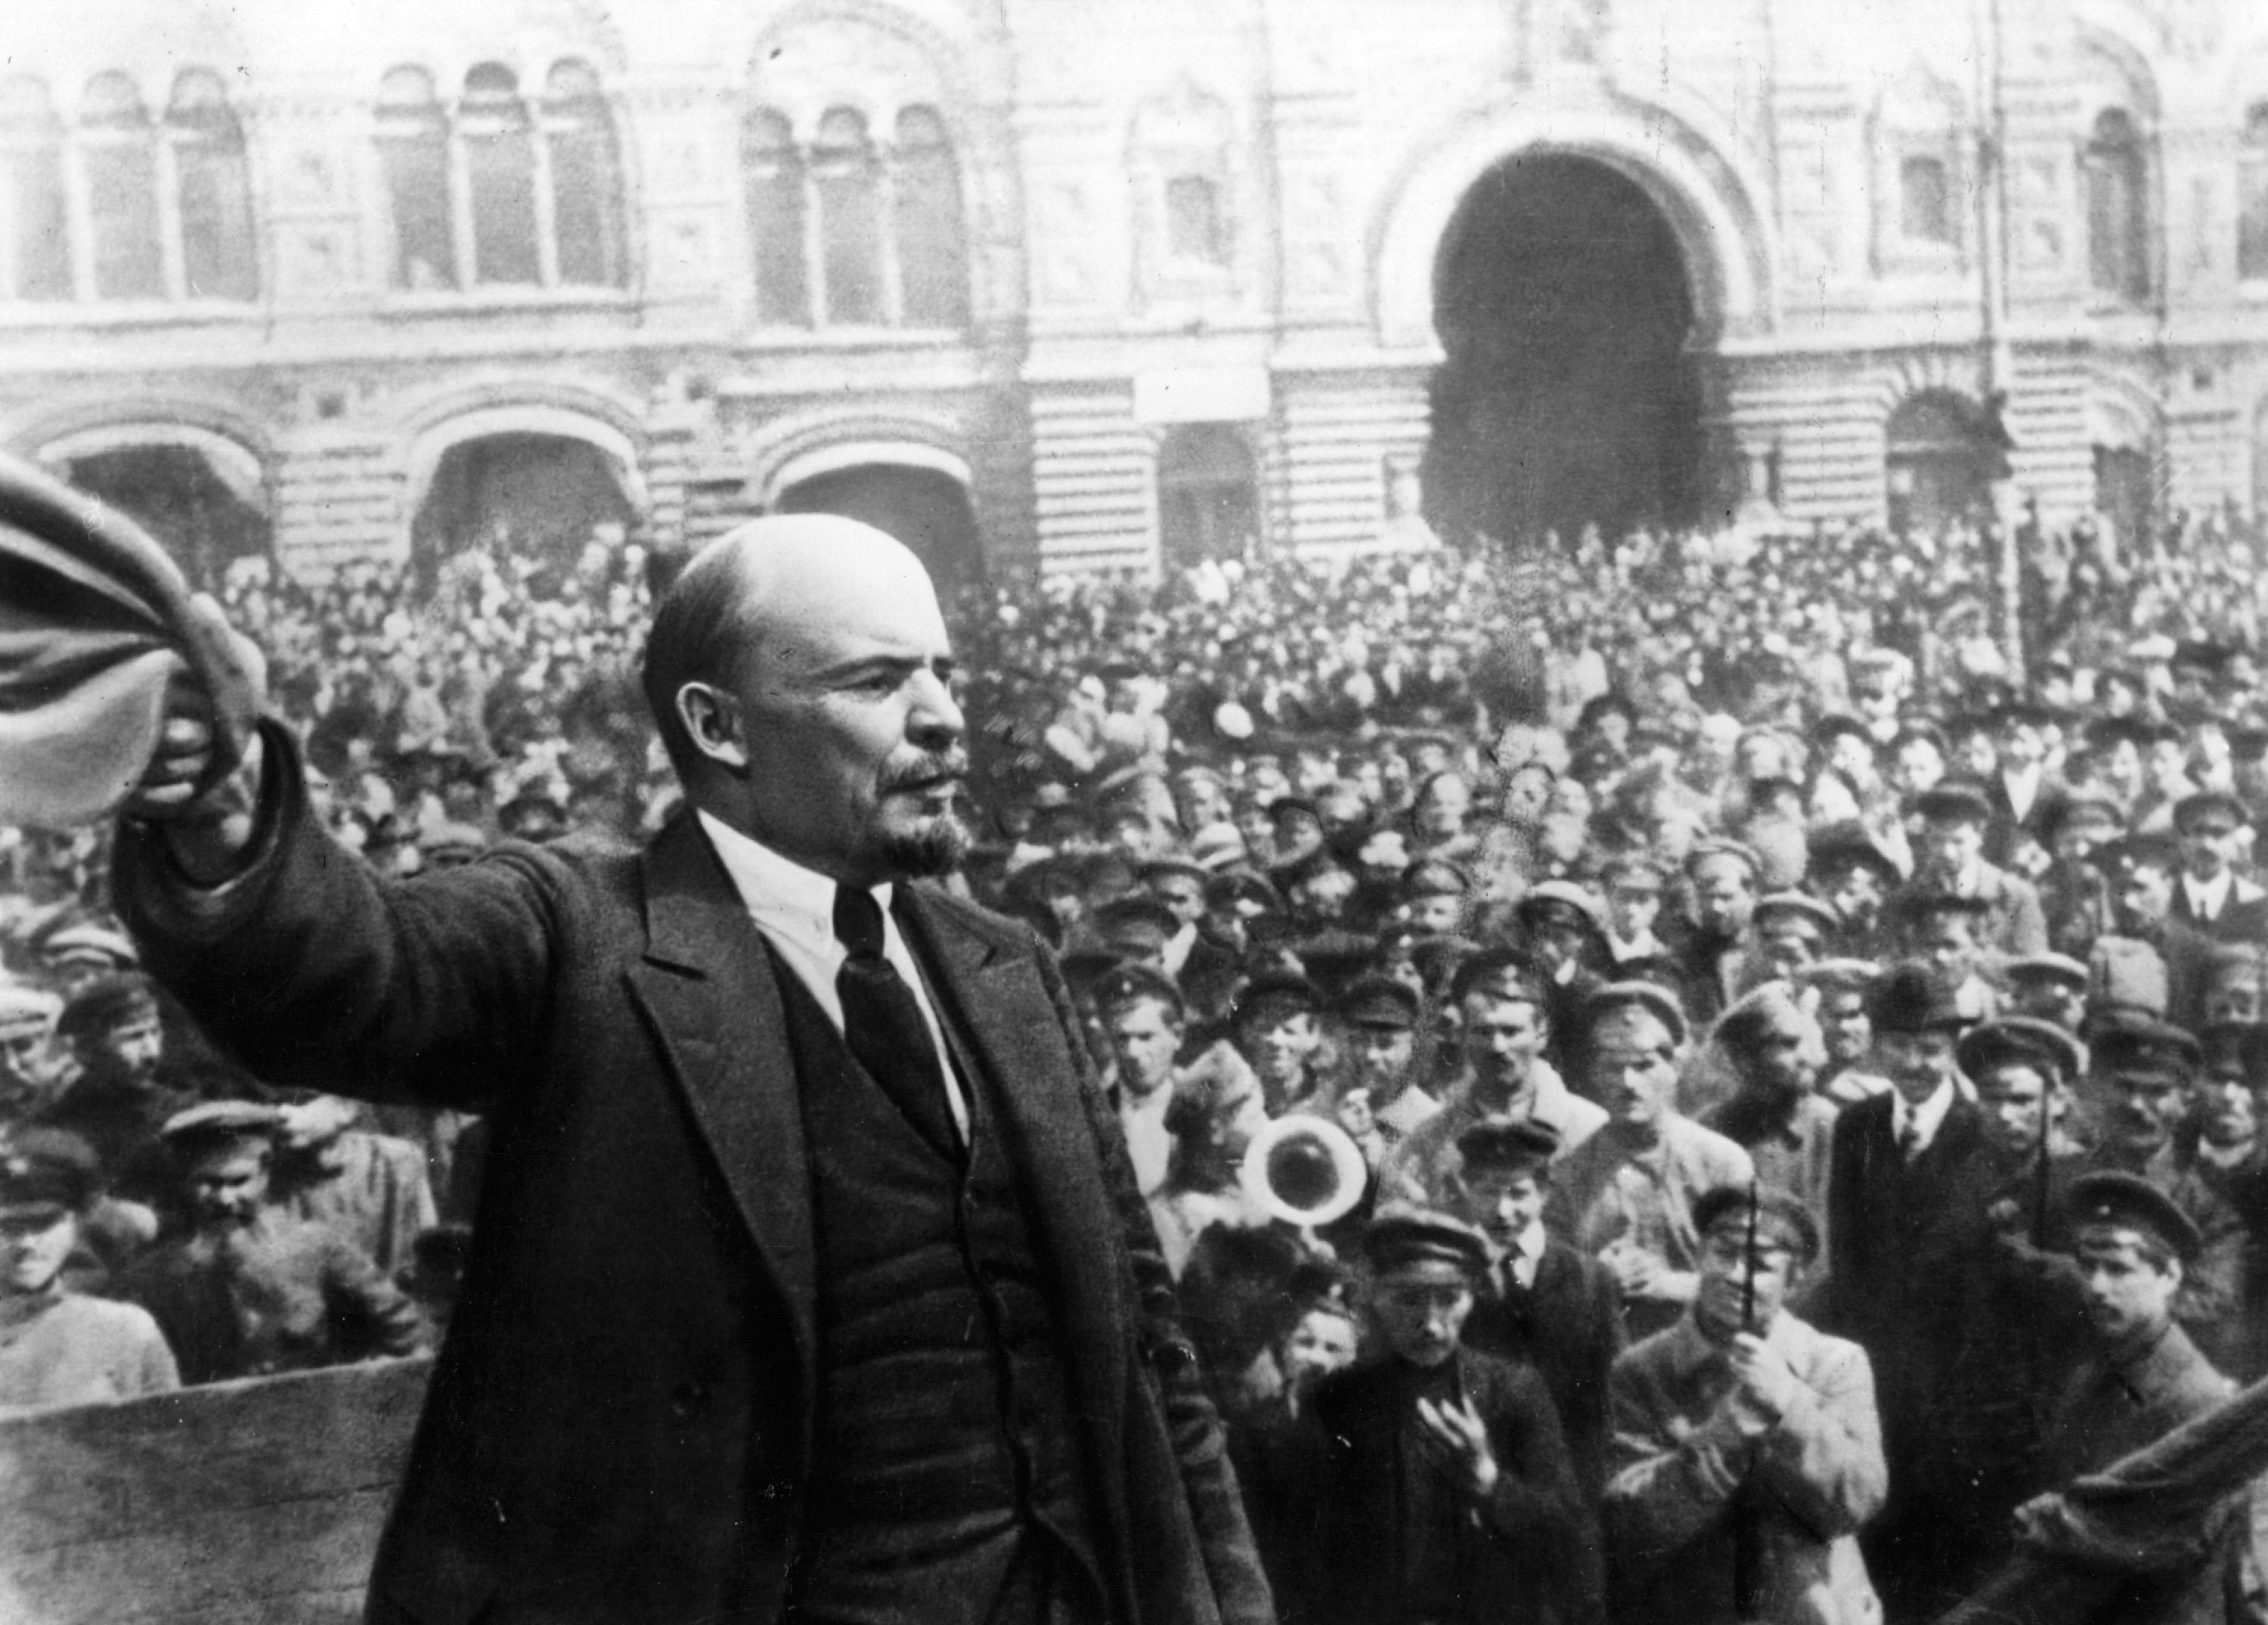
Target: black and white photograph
[{"x": 1134, "y": 812}]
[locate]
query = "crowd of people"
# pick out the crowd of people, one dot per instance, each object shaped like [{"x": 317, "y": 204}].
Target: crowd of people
[{"x": 1796, "y": 1089}]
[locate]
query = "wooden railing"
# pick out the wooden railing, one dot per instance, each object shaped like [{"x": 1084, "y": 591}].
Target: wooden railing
[{"x": 258, "y": 1500}]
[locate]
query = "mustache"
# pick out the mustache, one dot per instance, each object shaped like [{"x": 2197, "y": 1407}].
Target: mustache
[{"x": 927, "y": 770}]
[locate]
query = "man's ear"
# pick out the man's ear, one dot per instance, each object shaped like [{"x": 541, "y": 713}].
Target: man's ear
[{"x": 711, "y": 718}]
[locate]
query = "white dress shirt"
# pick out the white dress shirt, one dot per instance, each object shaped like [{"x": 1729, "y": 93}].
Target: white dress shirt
[
  {"x": 1926, "y": 1119},
  {"x": 794, "y": 909},
  {"x": 2023, "y": 788},
  {"x": 1143, "y": 1117},
  {"x": 1526, "y": 1255},
  {"x": 2208, "y": 897}
]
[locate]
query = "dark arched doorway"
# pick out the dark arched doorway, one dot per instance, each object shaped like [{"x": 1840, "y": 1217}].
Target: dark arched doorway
[
  {"x": 1208, "y": 499},
  {"x": 924, "y": 508},
  {"x": 175, "y": 494},
  {"x": 1936, "y": 463},
  {"x": 540, "y": 496},
  {"x": 1567, "y": 397}
]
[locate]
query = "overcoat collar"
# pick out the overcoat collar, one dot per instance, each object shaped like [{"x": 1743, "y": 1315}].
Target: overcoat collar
[{"x": 718, "y": 1018}]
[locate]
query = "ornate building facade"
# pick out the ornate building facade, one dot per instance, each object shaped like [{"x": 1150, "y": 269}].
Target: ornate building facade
[{"x": 1089, "y": 285}]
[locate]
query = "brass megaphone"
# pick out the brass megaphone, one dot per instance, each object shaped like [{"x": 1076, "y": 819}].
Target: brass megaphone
[{"x": 1305, "y": 1170}]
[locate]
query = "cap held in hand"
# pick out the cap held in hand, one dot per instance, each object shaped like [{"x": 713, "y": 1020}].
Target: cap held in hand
[{"x": 96, "y": 623}]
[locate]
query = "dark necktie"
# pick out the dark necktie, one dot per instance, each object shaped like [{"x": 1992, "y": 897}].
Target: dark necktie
[{"x": 882, "y": 1022}]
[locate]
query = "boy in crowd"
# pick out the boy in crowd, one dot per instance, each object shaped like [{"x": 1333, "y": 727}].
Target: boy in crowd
[
  {"x": 56, "y": 1347},
  {"x": 1544, "y": 1303}
]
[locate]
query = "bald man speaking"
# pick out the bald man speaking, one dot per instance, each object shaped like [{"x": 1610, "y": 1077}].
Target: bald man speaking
[{"x": 810, "y": 1282}]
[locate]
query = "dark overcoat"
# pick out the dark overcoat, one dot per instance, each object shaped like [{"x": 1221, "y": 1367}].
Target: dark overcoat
[{"x": 620, "y": 1422}]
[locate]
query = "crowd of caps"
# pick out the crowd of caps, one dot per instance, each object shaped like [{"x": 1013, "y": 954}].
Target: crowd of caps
[{"x": 1791, "y": 1102}]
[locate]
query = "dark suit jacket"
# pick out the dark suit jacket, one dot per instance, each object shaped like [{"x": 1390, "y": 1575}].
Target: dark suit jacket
[
  {"x": 1898, "y": 1235},
  {"x": 620, "y": 1422},
  {"x": 2007, "y": 831},
  {"x": 2243, "y": 916},
  {"x": 1569, "y": 1326}
]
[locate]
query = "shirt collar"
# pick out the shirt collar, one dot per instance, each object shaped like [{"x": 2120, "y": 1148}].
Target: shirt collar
[
  {"x": 2207, "y": 895},
  {"x": 780, "y": 892},
  {"x": 1926, "y": 1117}
]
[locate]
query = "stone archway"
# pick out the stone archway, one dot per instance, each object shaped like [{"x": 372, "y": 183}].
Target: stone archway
[
  {"x": 926, "y": 507},
  {"x": 1567, "y": 396},
  {"x": 201, "y": 494},
  {"x": 545, "y": 497}
]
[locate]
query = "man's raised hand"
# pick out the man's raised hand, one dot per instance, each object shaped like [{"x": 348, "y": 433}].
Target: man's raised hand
[{"x": 208, "y": 816}]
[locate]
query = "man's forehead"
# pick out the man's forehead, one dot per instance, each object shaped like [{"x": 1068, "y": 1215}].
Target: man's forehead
[{"x": 823, "y": 575}]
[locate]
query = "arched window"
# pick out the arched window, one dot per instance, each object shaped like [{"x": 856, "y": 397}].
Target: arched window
[
  {"x": 586, "y": 179},
  {"x": 849, "y": 219},
  {"x": 34, "y": 217},
  {"x": 413, "y": 144},
  {"x": 213, "y": 190},
  {"x": 932, "y": 250},
  {"x": 1208, "y": 500},
  {"x": 1924, "y": 201},
  {"x": 773, "y": 169},
  {"x": 500, "y": 173},
  {"x": 121, "y": 163},
  {"x": 2116, "y": 236},
  {"x": 848, "y": 233},
  {"x": 2252, "y": 196}
]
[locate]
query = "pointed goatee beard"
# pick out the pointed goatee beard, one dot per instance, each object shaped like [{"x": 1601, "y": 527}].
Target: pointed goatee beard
[{"x": 935, "y": 850}]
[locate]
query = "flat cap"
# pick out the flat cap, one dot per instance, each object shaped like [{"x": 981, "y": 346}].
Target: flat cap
[
  {"x": 1651, "y": 997},
  {"x": 1508, "y": 1142},
  {"x": 1275, "y": 993},
  {"x": 1139, "y": 919},
  {"x": 1378, "y": 1002},
  {"x": 1129, "y": 984},
  {"x": 1778, "y": 1210},
  {"x": 2115, "y": 1199},
  {"x": 1562, "y": 900},
  {"x": 47, "y": 1170},
  {"x": 1435, "y": 877},
  {"x": 1738, "y": 852},
  {"x": 1841, "y": 974},
  {"x": 1632, "y": 871},
  {"x": 1237, "y": 887},
  {"x": 212, "y": 1122},
  {"x": 1798, "y": 906},
  {"x": 1498, "y": 969},
  {"x": 2144, "y": 1044},
  {"x": 1954, "y": 800},
  {"x": 2021, "y": 1039},
  {"x": 2047, "y": 968},
  {"x": 90, "y": 941},
  {"x": 1407, "y": 1236}
]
